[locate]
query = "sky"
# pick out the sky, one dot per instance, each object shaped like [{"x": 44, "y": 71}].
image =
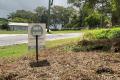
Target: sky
[{"x": 8, "y": 6}]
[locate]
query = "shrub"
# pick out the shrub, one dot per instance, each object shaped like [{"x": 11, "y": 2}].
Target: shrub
[
  {"x": 100, "y": 40},
  {"x": 102, "y": 34},
  {"x": 114, "y": 33},
  {"x": 85, "y": 45}
]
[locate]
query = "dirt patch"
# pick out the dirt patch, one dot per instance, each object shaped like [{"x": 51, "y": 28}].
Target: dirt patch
[
  {"x": 104, "y": 70},
  {"x": 8, "y": 76},
  {"x": 63, "y": 66},
  {"x": 115, "y": 45}
]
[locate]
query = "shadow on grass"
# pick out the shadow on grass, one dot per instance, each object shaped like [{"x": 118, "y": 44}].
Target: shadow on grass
[{"x": 42, "y": 63}]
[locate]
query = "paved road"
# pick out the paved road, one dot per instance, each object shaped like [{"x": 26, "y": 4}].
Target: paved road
[{"x": 11, "y": 39}]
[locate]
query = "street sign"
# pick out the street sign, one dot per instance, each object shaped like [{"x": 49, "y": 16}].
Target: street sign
[
  {"x": 36, "y": 35},
  {"x": 37, "y": 30}
]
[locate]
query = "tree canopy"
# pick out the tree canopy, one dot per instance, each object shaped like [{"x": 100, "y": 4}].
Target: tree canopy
[{"x": 107, "y": 8}]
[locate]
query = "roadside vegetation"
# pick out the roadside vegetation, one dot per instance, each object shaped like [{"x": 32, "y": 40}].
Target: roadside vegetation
[
  {"x": 51, "y": 32},
  {"x": 60, "y": 61},
  {"x": 94, "y": 56},
  {"x": 96, "y": 34},
  {"x": 22, "y": 49},
  {"x": 92, "y": 40},
  {"x": 100, "y": 40},
  {"x": 12, "y": 32},
  {"x": 81, "y": 15},
  {"x": 74, "y": 58}
]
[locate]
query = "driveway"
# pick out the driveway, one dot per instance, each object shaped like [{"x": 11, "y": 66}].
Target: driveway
[{"x": 11, "y": 39}]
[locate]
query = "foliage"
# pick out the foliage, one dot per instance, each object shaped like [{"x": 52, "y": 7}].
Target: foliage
[
  {"x": 114, "y": 33},
  {"x": 40, "y": 15},
  {"x": 69, "y": 25},
  {"x": 115, "y": 12},
  {"x": 93, "y": 20},
  {"x": 21, "y": 50},
  {"x": 106, "y": 8},
  {"x": 102, "y": 34},
  {"x": 86, "y": 45},
  {"x": 17, "y": 19},
  {"x": 61, "y": 15},
  {"x": 3, "y": 23},
  {"x": 21, "y": 15}
]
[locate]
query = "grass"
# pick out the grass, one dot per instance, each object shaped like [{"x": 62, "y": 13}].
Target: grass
[
  {"x": 52, "y": 32},
  {"x": 51, "y": 44},
  {"x": 65, "y": 31},
  {"x": 15, "y": 50},
  {"x": 20, "y": 50},
  {"x": 12, "y": 32}
]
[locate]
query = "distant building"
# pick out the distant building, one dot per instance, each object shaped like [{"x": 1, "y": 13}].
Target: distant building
[
  {"x": 56, "y": 27},
  {"x": 18, "y": 26}
]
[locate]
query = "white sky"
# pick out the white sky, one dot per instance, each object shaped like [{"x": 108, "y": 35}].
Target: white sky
[
  {"x": 8, "y": 6},
  {"x": 60, "y": 2}
]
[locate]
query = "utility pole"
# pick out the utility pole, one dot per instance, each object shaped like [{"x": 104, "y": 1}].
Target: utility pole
[
  {"x": 49, "y": 7},
  {"x": 102, "y": 14}
]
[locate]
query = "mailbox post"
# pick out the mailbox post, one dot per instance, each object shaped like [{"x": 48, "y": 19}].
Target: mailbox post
[
  {"x": 37, "y": 31},
  {"x": 37, "y": 48}
]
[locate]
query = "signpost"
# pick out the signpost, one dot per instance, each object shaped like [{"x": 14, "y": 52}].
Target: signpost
[{"x": 36, "y": 37}]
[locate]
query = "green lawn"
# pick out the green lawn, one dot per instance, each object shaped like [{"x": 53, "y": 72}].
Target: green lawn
[
  {"x": 65, "y": 31},
  {"x": 51, "y": 32},
  {"x": 20, "y": 50},
  {"x": 12, "y": 32}
]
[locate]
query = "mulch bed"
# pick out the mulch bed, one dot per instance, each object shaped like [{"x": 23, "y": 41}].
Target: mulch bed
[{"x": 62, "y": 65}]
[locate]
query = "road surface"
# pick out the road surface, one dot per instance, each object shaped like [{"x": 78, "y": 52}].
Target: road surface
[{"x": 11, "y": 39}]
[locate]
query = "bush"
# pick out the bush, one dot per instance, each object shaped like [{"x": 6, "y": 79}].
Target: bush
[
  {"x": 85, "y": 45},
  {"x": 102, "y": 34},
  {"x": 100, "y": 40},
  {"x": 114, "y": 33}
]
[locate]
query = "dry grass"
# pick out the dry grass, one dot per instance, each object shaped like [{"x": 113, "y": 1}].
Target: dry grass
[{"x": 63, "y": 66}]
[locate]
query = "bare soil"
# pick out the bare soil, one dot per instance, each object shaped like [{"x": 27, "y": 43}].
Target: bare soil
[{"x": 61, "y": 65}]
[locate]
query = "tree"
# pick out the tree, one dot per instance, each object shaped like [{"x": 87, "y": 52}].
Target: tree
[
  {"x": 22, "y": 15},
  {"x": 38, "y": 16},
  {"x": 61, "y": 15},
  {"x": 42, "y": 15},
  {"x": 93, "y": 20},
  {"x": 115, "y": 12},
  {"x": 4, "y": 23},
  {"x": 88, "y": 7}
]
